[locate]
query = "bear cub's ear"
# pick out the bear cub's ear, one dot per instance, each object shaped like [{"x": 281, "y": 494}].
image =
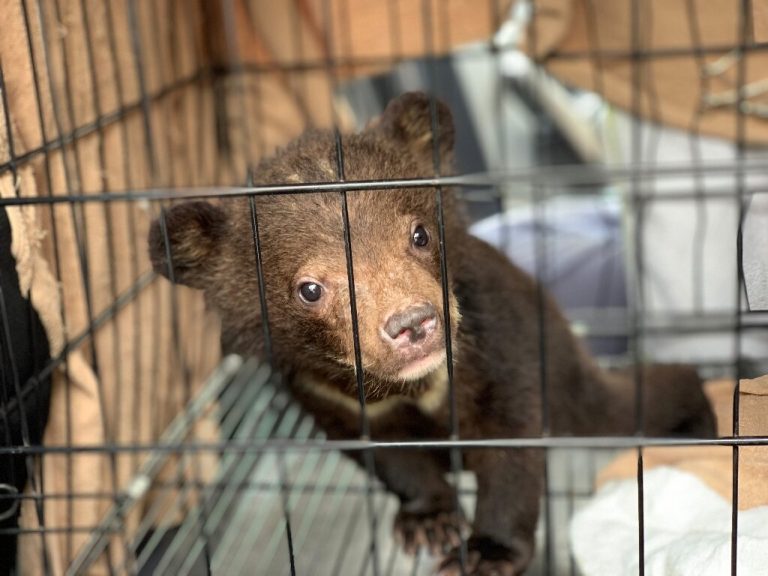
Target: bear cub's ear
[
  {"x": 408, "y": 119},
  {"x": 193, "y": 231}
]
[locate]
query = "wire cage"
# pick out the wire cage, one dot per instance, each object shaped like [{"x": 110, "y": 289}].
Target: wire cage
[{"x": 610, "y": 148}]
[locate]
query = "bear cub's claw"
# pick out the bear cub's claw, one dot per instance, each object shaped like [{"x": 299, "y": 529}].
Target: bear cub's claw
[
  {"x": 436, "y": 531},
  {"x": 485, "y": 557}
]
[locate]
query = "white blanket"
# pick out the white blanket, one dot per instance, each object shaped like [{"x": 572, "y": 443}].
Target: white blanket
[{"x": 687, "y": 530}]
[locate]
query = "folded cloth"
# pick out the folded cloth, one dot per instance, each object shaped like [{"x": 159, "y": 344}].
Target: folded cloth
[
  {"x": 713, "y": 464},
  {"x": 687, "y": 530},
  {"x": 687, "y": 501}
]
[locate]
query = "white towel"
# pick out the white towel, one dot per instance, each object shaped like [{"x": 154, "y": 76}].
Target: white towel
[{"x": 687, "y": 530}]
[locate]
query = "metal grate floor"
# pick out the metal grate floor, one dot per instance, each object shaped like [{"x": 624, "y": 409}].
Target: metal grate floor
[{"x": 241, "y": 528}]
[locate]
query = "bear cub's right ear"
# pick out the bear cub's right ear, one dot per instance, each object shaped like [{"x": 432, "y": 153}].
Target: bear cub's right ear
[{"x": 187, "y": 235}]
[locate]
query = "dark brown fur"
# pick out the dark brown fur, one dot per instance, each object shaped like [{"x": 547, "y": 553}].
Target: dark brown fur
[{"x": 495, "y": 331}]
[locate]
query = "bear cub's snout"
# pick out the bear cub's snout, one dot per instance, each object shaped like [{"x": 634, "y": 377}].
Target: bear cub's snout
[{"x": 413, "y": 326}]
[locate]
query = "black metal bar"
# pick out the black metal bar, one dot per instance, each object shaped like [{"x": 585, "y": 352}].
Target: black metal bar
[
  {"x": 79, "y": 221},
  {"x": 640, "y": 511},
  {"x": 577, "y": 175},
  {"x": 150, "y": 156},
  {"x": 595, "y": 51},
  {"x": 178, "y": 344},
  {"x": 365, "y": 429},
  {"x": 108, "y": 118},
  {"x": 637, "y": 306},
  {"x": 260, "y": 277},
  {"x": 697, "y": 270},
  {"x": 129, "y": 296},
  {"x": 537, "y": 200},
  {"x": 368, "y": 455},
  {"x": 110, "y": 431},
  {"x": 502, "y": 135},
  {"x": 235, "y": 66},
  {"x": 249, "y": 138},
  {"x": 261, "y": 445},
  {"x": 7, "y": 356},
  {"x": 57, "y": 261},
  {"x": 744, "y": 22},
  {"x": 187, "y": 384},
  {"x": 571, "y": 494},
  {"x": 7, "y": 349},
  {"x": 302, "y": 65},
  {"x": 359, "y": 374},
  {"x": 302, "y": 92},
  {"x": 456, "y": 457},
  {"x": 260, "y": 486},
  {"x": 131, "y": 223},
  {"x": 144, "y": 100},
  {"x": 395, "y": 31}
]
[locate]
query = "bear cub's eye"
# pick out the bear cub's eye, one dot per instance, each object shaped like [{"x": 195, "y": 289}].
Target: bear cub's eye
[
  {"x": 420, "y": 236},
  {"x": 310, "y": 292}
]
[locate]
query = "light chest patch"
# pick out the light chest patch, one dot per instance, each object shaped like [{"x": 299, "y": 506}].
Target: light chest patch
[{"x": 429, "y": 401}]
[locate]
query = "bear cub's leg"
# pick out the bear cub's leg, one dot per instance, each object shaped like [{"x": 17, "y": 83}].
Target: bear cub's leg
[
  {"x": 427, "y": 517},
  {"x": 509, "y": 484}
]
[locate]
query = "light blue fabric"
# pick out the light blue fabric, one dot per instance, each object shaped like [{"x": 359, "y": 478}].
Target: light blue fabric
[{"x": 574, "y": 245}]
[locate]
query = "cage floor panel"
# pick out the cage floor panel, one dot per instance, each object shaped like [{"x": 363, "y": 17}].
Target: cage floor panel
[{"x": 339, "y": 522}]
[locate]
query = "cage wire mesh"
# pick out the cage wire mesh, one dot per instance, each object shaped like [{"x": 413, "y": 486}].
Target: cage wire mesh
[{"x": 610, "y": 148}]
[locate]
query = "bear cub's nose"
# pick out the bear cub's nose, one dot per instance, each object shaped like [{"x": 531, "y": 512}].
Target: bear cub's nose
[{"x": 411, "y": 325}]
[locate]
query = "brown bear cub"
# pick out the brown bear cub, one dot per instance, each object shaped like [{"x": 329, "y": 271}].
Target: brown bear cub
[{"x": 494, "y": 329}]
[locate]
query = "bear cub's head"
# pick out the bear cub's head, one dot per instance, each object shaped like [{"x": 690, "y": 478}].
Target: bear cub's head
[{"x": 395, "y": 255}]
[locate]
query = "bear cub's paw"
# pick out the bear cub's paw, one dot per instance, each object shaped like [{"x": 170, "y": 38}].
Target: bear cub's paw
[
  {"x": 486, "y": 557},
  {"x": 436, "y": 528}
]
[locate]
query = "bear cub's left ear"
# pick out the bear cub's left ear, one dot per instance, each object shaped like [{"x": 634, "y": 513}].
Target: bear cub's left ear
[
  {"x": 409, "y": 120},
  {"x": 190, "y": 233}
]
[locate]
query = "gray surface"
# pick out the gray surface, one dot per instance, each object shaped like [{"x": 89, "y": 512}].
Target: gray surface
[
  {"x": 755, "y": 257},
  {"x": 331, "y": 524},
  {"x": 328, "y": 508}
]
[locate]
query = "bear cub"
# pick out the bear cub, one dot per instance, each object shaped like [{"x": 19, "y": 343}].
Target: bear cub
[{"x": 494, "y": 324}]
